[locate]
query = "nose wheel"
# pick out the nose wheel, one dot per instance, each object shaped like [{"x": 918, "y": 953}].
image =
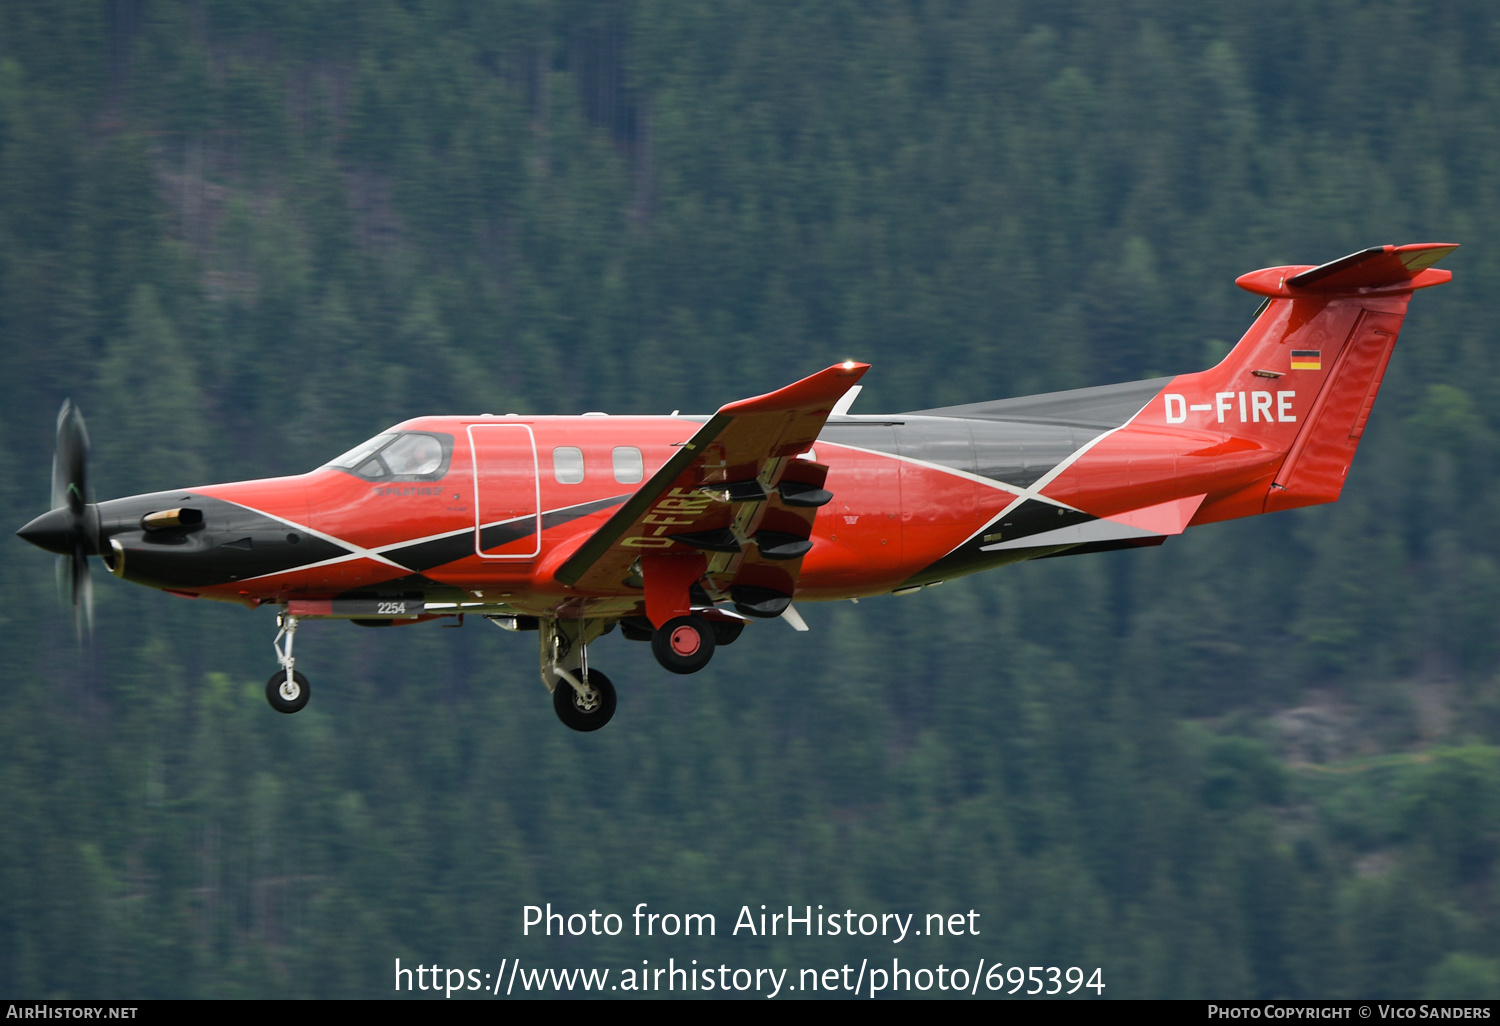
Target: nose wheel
[
  {"x": 589, "y": 707},
  {"x": 287, "y": 694}
]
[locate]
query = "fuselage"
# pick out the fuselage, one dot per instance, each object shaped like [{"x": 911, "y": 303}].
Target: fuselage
[
  {"x": 448, "y": 514},
  {"x": 917, "y": 498}
]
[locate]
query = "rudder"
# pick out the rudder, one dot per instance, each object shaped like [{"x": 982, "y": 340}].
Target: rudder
[{"x": 1318, "y": 463}]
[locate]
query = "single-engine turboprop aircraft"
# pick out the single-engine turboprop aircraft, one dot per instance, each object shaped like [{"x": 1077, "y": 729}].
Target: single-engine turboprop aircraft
[{"x": 680, "y": 530}]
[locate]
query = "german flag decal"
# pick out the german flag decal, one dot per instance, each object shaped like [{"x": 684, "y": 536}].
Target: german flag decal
[{"x": 1307, "y": 359}]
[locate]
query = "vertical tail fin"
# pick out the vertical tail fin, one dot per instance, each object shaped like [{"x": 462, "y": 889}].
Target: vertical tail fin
[{"x": 1304, "y": 378}]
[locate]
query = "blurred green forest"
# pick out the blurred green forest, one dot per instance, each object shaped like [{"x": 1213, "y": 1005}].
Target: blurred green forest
[{"x": 1263, "y": 760}]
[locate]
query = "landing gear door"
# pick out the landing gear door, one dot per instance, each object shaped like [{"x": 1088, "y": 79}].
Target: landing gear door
[{"x": 507, "y": 493}]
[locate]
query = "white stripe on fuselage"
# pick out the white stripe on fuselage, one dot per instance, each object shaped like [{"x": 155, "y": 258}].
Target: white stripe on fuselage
[{"x": 358, "y": 551}]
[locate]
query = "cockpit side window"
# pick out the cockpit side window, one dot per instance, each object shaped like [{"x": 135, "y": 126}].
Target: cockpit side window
[{"x": 407, "y": 456}]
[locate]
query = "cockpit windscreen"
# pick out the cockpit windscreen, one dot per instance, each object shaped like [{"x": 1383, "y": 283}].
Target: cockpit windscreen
[{"x": 399, "y": 456}]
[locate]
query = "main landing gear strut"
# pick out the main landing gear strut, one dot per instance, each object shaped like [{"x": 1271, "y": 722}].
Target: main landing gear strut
[{"x": 287, "y": 690}]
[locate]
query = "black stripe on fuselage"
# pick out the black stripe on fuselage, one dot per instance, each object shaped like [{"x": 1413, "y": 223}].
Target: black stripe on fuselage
[
  {"x": 970, "y": 559},
  {"x": 1119, "y": 545},
  {"x": 233, "y": 543},
  {"x": 424, "y": 555},
  {"x": 1032, "y": 518}
]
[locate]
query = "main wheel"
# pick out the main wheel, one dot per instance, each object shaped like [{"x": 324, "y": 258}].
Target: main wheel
[
  {"x": 287, "y": 697},
  {"x": 585, "y": 714},
  {"x": 684, "y": 644}
]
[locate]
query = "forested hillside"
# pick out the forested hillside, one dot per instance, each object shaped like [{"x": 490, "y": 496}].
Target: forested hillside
[{"x": 1262, "y": 760}]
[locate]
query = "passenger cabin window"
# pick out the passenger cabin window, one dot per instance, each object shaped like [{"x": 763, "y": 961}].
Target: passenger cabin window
[
  {"x": 629, "y": 467},
  {"x": 399, "y": 456},
  {"x": 567, "y": 464}
]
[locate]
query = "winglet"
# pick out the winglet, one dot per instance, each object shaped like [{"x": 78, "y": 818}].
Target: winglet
[
  {"x": 1382, "y": 268},
  {"x": 829, "y": 384}
]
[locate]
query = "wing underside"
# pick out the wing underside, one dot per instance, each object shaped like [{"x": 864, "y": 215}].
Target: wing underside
[{"x": 730, "y": 514}]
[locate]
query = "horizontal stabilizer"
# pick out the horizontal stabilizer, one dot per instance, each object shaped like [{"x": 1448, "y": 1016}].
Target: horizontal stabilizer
[
  {"x": 1374, "y": 267},
  {"x": 1397, "y": 268}
]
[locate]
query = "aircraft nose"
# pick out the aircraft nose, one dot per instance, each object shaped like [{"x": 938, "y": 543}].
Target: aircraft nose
[{"x": 52, "y": 531}]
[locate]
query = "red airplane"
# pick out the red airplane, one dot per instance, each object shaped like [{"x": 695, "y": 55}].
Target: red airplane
[{"x": 680, "y": 530}]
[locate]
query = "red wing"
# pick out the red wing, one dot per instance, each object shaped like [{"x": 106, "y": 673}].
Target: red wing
[{"x": 730, "y": 494}]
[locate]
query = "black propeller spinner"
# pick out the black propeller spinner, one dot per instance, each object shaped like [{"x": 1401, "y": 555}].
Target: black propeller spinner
[{"x": 71, "y": 527}]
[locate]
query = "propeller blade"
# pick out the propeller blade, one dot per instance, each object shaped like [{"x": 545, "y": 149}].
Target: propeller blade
[
  {"x": 70, "y": 460},
  {"x": 83, "y": 595},
  {"x": 71, "y": 527}
]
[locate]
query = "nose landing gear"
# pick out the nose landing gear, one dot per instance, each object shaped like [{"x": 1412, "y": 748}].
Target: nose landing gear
[
  {"x": 287, "y": 690},
  {"x": 583, "y": 698}
]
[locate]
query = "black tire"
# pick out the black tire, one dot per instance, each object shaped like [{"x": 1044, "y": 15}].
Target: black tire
[
  {"x": 684, "y": 644},
  {"x": 726, "y": 631},
  {"x": 279, "y": 701},
  {"x": 579, "y": 715}
]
